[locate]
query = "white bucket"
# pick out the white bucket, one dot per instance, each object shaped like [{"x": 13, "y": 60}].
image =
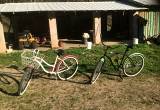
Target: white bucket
[
  {"x": 135, "y": 40},
  {"x": 89, "y": 45}
]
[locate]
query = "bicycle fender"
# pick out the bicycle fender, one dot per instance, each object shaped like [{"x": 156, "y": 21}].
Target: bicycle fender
[
  {"x": 137, "y": 54},
  {"x": 67, "y": 55},
  {"x": 63, "y": 58}
]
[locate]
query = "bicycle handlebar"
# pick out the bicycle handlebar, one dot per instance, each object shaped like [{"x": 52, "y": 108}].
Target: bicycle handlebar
[
  {"x": 59, "y": 52},
  {"x": 35, "y": 52},
  {"x": 107, "y": 47}
]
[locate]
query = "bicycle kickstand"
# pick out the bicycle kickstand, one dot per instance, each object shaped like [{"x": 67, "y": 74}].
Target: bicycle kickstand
[{"x": 120, "y": 74}]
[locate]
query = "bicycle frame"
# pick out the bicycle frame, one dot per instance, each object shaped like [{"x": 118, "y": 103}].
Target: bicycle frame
[
  {"x": 40, "y": 61},
  {"x": 116, "y": 67}
]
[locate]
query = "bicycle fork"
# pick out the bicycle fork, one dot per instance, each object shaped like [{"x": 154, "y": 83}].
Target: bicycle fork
[
  {"x": 120, "y": 72},
  {"x": 102, "y": 64},
  {"x": 117, "y": 68}
]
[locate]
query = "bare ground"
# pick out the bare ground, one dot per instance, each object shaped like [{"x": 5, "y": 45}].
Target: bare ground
[{"x": 108, "y": 93}]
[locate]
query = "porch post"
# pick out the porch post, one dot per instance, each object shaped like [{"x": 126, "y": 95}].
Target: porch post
[
  {"x": 134, "y": 25},
  {"x": 53, "y": 30},
  {"x": 96, "y": 28},
  {"x": 2, "y": 38}
]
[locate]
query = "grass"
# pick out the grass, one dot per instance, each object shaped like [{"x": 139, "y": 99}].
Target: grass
[
  {"x": 107, "y": 93},
  {"x": 88, "y": 58}
]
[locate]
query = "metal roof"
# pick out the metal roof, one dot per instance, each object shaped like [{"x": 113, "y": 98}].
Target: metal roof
[
  {"x": 66, "y": 6},
  {"x": 147, "y": 2}
]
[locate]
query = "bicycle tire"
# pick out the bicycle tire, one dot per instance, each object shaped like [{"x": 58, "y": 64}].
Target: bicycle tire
[
  {"x": 133, "y": 64},
  {"x": 25, "y": 80},
  {"x": 62, "y": 67},
  {"x": 97, "y": 70}
]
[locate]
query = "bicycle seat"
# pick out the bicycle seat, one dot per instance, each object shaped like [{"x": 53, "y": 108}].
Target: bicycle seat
[
  {"x": 60, "y": 52},
  {"x": 109, "y": 46},
  {"x": 130, "y": 46}
]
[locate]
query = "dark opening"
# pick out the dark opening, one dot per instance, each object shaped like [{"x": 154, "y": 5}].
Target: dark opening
[
  {"x": 115, "y": 25},
  {"x": 71, "y": 25},
  {"x": 34, "y": 23}
]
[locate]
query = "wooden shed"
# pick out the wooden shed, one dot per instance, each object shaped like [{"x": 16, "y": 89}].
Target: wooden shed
[
  {"x": 148, "y": 20},
  {"x": 152, "y": 25},
  {"x": 52, "y": 10}
]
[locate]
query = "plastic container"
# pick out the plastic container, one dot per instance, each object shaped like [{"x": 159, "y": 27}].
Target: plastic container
[
  {"x": 89, "y": 45},
  {"x": 135, "y": 40}
]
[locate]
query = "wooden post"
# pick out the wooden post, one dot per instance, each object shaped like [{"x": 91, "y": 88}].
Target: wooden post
[
  {"x": 53, "y": 30},
  {"x": 134, "y": 26},
  {"x": 97, "y": 28},
  {"x": 2, "y": 38}
]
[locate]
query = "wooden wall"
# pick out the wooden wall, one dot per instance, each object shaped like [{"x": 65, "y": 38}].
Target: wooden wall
[{"x": 152, "y": 26}]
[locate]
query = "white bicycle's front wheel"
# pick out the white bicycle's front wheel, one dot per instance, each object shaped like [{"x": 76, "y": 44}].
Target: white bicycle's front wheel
[
  {"x": 97, "y": 70},
  {"x": 26, "y": 78},
  {"x": 67, "y": 68},
  {"x": 133, "y": 64}
]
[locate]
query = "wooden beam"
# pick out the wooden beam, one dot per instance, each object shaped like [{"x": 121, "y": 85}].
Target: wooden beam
[
  {"x": 96, "y": 28},
  {"x": 53, "y": 30},
  {"x": 134, "y": 26},
  {"x": 2, "y": 38}
]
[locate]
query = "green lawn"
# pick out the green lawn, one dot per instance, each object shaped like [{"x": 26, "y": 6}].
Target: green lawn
[
  {"x": 88, "y": 58},
  {"x": 108, "y": 93}
]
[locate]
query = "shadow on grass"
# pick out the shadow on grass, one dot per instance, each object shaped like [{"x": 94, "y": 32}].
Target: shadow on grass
[
  {"x": 12, "y": 66},
  {"x": 8, "y": 84},
  {"x": 112, "y": 74},
  {"x": 84, "y": 74},
  {"x": 81, "y": 77},
  {"x": 84, "y": 69},
  {"x": 115, "y": 76}
]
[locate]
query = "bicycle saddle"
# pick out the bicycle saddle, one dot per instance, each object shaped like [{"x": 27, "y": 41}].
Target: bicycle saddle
[
  {"x": 130, "y": 46},
  {"x": 60, "y": 52}
]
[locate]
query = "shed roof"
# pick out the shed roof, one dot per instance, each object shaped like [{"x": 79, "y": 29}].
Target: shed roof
[
  {"x": 66, "y": 6},
  {"x": 147, "y": 2}
]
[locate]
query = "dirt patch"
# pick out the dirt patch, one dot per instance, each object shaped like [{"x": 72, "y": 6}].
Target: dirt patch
[{"x": 139, "y": 93}]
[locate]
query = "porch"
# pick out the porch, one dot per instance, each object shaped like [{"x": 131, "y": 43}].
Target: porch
[{"x": 68, "y": 21}]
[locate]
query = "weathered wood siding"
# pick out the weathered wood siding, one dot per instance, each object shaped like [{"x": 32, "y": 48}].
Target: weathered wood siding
[{"x": 153, "y": 23}]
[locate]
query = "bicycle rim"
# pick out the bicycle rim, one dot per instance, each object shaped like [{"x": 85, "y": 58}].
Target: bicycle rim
[
  {"x": 97, "y": 71},
  {"x": 133, "y": 65},
  {"x": 26, "y": 78},
  {"x": 67, "y": 68}
]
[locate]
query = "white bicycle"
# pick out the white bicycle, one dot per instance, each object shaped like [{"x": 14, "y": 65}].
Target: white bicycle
[{"x": 65, "y": 66}]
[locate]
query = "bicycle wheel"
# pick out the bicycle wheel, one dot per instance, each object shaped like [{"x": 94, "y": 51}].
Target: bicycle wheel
[
  {"x": 97, "y": 70},
  {"x": 26, "y": 78},
  {"x": 67, "y": 67},
  {"x": 133, "y": 64}
]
